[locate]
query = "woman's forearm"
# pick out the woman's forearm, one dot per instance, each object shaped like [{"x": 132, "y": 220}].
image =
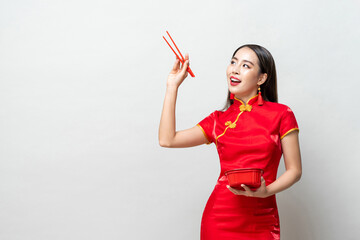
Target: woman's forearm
[
  {"x": 287, "y": 179},
  {"x": 167, "y": 128}
]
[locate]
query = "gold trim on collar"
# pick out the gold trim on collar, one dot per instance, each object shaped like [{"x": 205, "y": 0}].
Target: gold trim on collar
[
  {"x": 245, "y": 107},
  {"x": 247, "y": 101}
]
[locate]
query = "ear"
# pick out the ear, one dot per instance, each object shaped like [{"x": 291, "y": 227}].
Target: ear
[{"x": 262, "y": 78}]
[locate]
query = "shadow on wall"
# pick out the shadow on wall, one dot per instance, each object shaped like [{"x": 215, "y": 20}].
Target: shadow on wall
[{"x": 295, "y": 221}]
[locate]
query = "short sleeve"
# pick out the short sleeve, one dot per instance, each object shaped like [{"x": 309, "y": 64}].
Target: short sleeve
[
  {"x": 288, "y": 123},
  {"x": 207, "y": 125}
]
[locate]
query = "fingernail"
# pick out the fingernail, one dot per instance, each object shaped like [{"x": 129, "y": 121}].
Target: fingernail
[{"x": 242, "y": 185}]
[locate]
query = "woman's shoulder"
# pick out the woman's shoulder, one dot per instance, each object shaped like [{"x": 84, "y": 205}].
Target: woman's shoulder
[
  {"x": 214, "y": 114},
  {"x": 219, "y": 114},
  {"x": 278, "y": 110},
  {"x": 281, "y": 107}
]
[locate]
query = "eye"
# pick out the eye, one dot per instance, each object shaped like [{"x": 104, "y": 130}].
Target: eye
[
  {"x": 232, "y": 62},
  {"x": 246, "y": 65}
]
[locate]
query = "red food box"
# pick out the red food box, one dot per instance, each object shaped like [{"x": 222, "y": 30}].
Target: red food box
[{"x": 251, "y": 177}]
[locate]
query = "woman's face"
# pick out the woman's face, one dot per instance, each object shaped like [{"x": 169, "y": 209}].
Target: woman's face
[{"x": 243, "y": 74}]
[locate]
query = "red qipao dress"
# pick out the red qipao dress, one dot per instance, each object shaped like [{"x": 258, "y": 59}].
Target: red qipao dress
[{"x": 246, "y": 136}]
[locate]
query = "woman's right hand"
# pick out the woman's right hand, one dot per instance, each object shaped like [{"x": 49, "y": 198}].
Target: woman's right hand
[{"x": 178, "y": 74}]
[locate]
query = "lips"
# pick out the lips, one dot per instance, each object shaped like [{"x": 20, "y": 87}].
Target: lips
[{"x": 235, "y": 80}]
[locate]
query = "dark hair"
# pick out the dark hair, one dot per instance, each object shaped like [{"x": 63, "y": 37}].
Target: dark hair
[{"x": 267, "y": 65}]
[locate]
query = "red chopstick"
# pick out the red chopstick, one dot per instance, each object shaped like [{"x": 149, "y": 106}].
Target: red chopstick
[{"x": 182, "y": 60}]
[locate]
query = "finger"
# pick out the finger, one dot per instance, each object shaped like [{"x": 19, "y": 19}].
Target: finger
[
  {"x": 176, "y": 65},
  {"x": 247, "y": 189},
  {"x": 263, "y": 182},
  {"x": 187, "y": 58},
  {"x": 185, "y": 66},
  {"x": 235, "y": 191},
  {"x": 231, "y": 189}
]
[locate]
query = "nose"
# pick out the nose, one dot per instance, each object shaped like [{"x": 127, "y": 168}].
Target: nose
[{"x": 235, "y": 70}]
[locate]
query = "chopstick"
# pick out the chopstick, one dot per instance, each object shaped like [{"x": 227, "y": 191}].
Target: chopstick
[{"x": 182, "y": 60}]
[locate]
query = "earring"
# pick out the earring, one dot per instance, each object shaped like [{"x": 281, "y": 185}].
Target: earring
[
  {"x": 260, "y": 100},
  {"x": 231, "y": 96}
]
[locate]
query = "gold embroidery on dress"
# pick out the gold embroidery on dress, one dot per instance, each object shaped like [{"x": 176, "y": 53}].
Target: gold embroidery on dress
[
  {"x": 242, "y": 108},
  {"x": 245, "y": 108},
  {"x": 230, "y": 124}
]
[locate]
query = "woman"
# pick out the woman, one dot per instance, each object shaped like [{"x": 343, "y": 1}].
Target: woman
[{"x": 252, "y": 131}]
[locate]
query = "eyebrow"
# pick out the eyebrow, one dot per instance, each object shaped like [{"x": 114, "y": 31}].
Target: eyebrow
[{"x": 243, "y": 60}]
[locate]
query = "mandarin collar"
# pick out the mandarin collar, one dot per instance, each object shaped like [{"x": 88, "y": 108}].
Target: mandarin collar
[{"x": 251, "y": 101}]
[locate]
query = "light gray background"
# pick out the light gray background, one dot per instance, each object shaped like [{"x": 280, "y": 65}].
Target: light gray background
[{"x": 82, "y": 85}]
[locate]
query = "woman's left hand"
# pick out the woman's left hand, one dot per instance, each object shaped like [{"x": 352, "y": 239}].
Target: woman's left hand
[{"x": 261, "y": 192}]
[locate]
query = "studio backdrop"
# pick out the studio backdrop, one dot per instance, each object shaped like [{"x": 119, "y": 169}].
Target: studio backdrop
[{"x": 82, "y": 84}]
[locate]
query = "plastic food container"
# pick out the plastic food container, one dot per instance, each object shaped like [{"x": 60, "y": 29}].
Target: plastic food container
[{"x": 251, "y": 177}]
